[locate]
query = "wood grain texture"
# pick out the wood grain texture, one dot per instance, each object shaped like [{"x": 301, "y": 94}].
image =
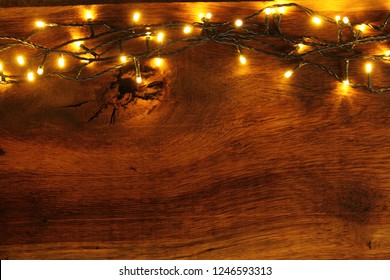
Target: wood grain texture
[
  {"x": 329, "y": 5},
  {"x": 233, "y": 163},
  {"x": 37, "y": 3}
]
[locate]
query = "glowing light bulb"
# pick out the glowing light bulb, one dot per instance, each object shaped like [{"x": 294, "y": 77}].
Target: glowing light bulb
[
  {"x": 345, "y": 20},
  {"x": 61, "y": 62},
  {"x": 78, "y": 44},
  {"x": 136, "y": 17},
  {"x": 208, "y": 15},
  {"x": 160, "y": 37},
  {"x": 158, "y": 61},
  {"x": 368, "y": 68},
  {"x": 317, "y": 20},
  {"x": 123, "y": 58},
  {"x": 238, "y": 22},
  {"x": 88, "y": 15},
  {"x": 201, "y": 15},
  {"x": 361, "y": 27},
  {"x": 267, "y": 11},
  {"x": 288, "y": 74},
  {"x": 187, "y": 29},
  {"x": 1, "y": 67},
  {"x": 40, "y": 70},
  {"x": 20, "y": 60},
  {"x": 40, "y": 24},
  {"x": 337, "y": 18},
  {"x": 30, "y": 76},
  {"x": 300, "y": 46},
  {"x": 242, "y": 59},
  {"x": 387, "y": 53},
  {"x": 281, "y": 10},
  {"x": 138, "y": 80},
  {"x": 346, "y": 82}
]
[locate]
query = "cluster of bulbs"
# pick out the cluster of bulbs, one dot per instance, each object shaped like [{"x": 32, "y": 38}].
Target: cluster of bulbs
[
  {"x": 249, "y": 34},
  {"x": 79, "y": 44}
]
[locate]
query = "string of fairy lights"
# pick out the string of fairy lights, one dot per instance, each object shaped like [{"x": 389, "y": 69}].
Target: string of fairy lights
[{"x": 112, "y": 48}]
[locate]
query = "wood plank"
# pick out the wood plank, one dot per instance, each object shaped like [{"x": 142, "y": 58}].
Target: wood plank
[
  {"x": 346, "y": 6},
  {"x": 233, "y": 162},
  {"x": 38, "y": 3}
]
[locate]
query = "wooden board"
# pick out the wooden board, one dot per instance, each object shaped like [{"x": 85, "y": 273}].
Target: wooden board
[
  {"x": 37, "y": 3},
  {"x": 233, "y": 162},
  {"x": 347, "y": 6}
]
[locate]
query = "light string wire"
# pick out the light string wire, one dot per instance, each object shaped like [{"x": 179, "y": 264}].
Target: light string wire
[{"x": 260, "y": 32}]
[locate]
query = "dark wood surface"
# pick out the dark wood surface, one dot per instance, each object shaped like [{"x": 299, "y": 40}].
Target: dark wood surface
[
  {"x": 233, "y": 162},
  {"x": 36, "y": 3}
]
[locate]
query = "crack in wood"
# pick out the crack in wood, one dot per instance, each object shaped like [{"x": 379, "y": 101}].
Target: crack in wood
[{"x": 124, "y": 91}]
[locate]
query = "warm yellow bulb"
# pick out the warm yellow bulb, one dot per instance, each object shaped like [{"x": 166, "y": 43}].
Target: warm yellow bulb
[
  {"x": 61, "y": 62},
  {"x": 160, "y": 37},
  {"x": 187, "y": 29},
  {"x": 40, "y": 24},
  {"x": 238, "y": 22},
  {"x": 337, "y": 18},
  {"x": 136, "y": 16},
  {"x": 317, "y": 20},
  {"x": 30, "y": 76},
  {"x": 267, "y": 11},
  {"x": 20, "y": 60},
  {"x": 88, "y": 15},
  {"x": 345, "y": 20},
  {"x": 40, "y": 70},
  {"x": 361, "y": 27},
  {"x": 123, "y": 58},
  {"x": 158, "y": 61},
  {"x": 138, "y": 80},
  {"x": 1, "y": 67},
  {"x": 208, "y": 15},
  {"x": 201, "y": 15},
  {"x": 346, "y": 82},
  {"x": 368, "y": 67},
  {"x": 242, "y": 59},
  {"x": 78, "y": 44},
  {"x": 387, "y": 53},
  {"x": 300, "y": 46},
  {"x": 288, "y": 74},
  {"x": 281, "y": 10}
]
